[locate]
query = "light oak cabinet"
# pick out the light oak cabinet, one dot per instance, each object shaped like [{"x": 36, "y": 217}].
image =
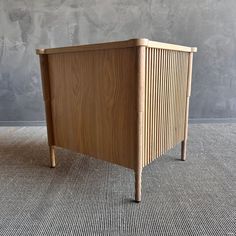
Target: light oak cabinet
[{"x": 124, "y": 102}]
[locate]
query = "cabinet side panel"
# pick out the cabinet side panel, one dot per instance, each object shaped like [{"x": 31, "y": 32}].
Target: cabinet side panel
[
  {"x": 166, "y": 79},
  {"x": 94, "y": 103}
]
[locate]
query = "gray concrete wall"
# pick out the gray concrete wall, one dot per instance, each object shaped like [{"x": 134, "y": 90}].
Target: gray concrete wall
[{"x": 27, "y": 24}]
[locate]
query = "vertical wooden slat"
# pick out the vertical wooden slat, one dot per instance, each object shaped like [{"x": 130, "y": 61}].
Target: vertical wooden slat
[
  {"x": 159, "y": 103},
  {"x": 161, "y": 100},
  {"x": 146, "y": 106},
  {"x": 154, "y": 104},
  {"x": 155, "y": 107},
  {"x": 165, "y": 101},
  {"x": 168, "y": 95},
  {"x": 174, "y": 96},
  {"x": 150, "y": 104},
  {"x": 184, "y": 88},
  {"x": 171, "y": 99},
  {"x": 180, "y": 93}
]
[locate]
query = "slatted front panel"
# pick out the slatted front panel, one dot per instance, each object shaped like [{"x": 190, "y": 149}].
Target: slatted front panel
[{"x": 166, "y": 75}]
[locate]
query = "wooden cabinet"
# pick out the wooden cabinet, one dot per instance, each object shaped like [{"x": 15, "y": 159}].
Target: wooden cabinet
[{"x": 124, "y": 102}]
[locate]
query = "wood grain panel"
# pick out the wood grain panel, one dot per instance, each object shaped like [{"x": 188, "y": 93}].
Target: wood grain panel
[{"x": 94, "y": 104}]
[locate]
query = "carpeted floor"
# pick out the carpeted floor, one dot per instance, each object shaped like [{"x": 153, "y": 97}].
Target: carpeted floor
[{"x": 84, "y": 196}]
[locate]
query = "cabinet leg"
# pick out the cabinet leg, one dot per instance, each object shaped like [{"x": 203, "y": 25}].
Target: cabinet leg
[
  {"x": 183, "y": 149},
  {"x": 138, "y": 183},
  {"x": 52, "y": 156}
]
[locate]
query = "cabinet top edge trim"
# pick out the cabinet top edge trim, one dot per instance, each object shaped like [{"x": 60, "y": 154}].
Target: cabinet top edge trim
[{"x": 117, "y": 44}]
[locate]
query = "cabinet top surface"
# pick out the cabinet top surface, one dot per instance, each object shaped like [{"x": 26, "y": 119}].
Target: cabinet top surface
[{"x": 117, "y": 44}]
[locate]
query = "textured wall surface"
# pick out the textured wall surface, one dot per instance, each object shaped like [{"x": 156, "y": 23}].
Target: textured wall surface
[{"x": 208, "y": 24}]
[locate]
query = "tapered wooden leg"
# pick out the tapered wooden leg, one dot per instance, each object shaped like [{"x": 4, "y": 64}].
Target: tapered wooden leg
[
  {"x": 48, "y": 110},
  {"x": 141, "y": 54},
  {"x": 52, "y": 156},
  {"x": 183, "y": 149},
  {"x": 138, "y": 183},
  {"x": 184, "y": 142}
]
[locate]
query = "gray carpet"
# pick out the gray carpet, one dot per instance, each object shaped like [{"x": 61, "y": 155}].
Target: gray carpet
[{"x": 84, "y": 196}]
